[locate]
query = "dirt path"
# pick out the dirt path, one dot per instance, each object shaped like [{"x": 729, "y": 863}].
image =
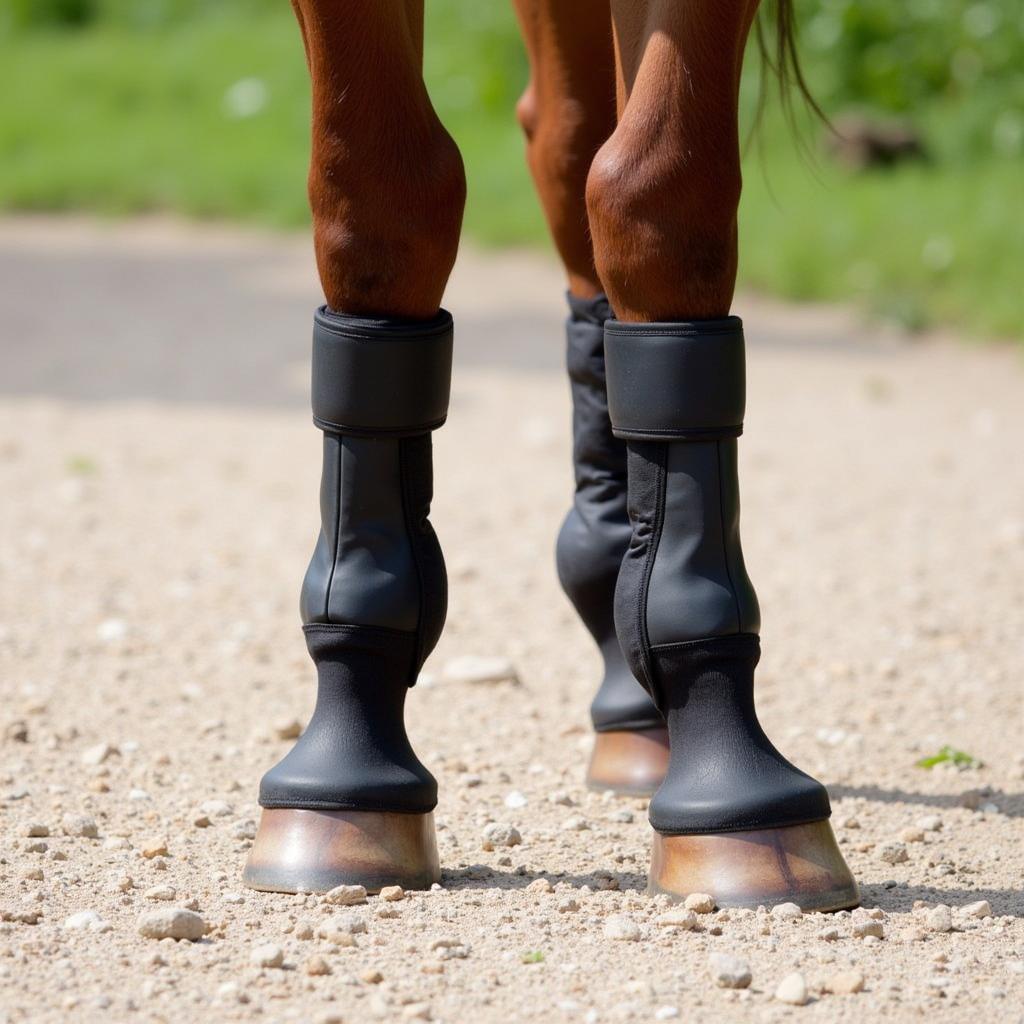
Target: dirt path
[{"x": 158, "y": 474}]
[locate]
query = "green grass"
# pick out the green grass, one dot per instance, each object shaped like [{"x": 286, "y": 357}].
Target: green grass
[{"x": 117, "y": 119}]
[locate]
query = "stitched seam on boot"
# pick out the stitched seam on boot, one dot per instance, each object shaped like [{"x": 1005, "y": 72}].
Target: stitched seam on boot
[
  {"x": 725, "y": 543},
  {"x": 417, "y": 557},
  {"x": 661, "y": 481},
  {"x": 337, "y": 528}
]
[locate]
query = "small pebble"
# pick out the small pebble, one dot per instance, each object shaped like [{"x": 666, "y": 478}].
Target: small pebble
[
  {"x": 267, "y": 955},
  {"x": 317, "y": 966},
  {"x": 940, "y": 919},
  {"x": 929, "y": 823},
  {"x": 472, "y": 668},
  {"x": 699, "y": 903},
  {"x": 154, "y": 848},
  {"x": 84, "y": 919},
  {"x": 172, "y": 923},
  {"x": 36, "y": 830},
  {"x": 98, "y": 754},
  {"x": 845, "y": 983},
  {"x": 892, "y": 853},
  {"x": 863, "y": 927},
  {"x": 161, "y": 892},
  {"x": 345, "y": 895},
  {"x": 497, "y": 835},
  {"x": 392, "y": 893},
  {"x": 792, "y": 990},
  {"x": 679, "y": 917},
  {"x": 979, "y": 909},
  {"x": 79, "y": 825},
  {"x": 372, "y": 977},
  {"x": 787, "y": 911},
  {"x": 729, "y": 971},
  {"x": 622, "y": 928}
]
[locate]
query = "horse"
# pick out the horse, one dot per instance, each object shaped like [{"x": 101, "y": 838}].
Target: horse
[{"x": 630, "y": 119}]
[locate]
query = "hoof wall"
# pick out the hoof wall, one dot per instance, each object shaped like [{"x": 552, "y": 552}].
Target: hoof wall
[
  {"x": 629, "y": 761},
  {"x": 797, "y": 864},
  {"x": 314, "y": 851}
]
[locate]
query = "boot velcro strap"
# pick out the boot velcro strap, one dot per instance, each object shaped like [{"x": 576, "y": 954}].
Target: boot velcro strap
[
  {"x": 676, "y": 381},
  {"x": 380, "y": 377}
]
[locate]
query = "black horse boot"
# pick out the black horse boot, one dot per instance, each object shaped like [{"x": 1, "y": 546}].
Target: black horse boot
[
  {"x": 351, "y": 803},
  {"x": 630, "y": 752},
  {"x": 733, "y": 817}
]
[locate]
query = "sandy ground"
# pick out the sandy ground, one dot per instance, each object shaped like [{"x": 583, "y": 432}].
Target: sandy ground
[{"x": 158, "y": 474}]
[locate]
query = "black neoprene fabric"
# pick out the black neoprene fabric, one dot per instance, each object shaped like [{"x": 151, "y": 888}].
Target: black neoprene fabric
[
  {"x": 685, "y": 611},
  {"x": 596, "y": 531},
  {"x": 374, "y": 597},
  {"x": 354, "y": 754},
  {"x": 724, "y": 774}
]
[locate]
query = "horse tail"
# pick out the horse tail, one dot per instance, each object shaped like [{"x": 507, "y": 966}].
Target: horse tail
[{"x": 777, "y": 45}]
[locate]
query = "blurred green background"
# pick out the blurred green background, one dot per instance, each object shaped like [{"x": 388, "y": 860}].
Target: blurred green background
[{"x": 201, "y": 107}]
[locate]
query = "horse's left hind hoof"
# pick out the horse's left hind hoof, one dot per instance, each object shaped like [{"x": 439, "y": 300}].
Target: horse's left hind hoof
[
  {"x": 632, "y": 762},
  {"x": 314, "y": 851},
  {"x": 798, "y": 864}
]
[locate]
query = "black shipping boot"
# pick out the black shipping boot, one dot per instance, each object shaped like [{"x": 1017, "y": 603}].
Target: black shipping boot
[
  {"x": 351, "y": 803},
  {"x": 631, "y": 743},
  {"x": 733, "y": 817}
]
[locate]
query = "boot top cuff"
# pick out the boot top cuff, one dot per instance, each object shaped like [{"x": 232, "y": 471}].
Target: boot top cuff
[
  {"x": 380, "y": 377},
  {"x": 676, "y": 381}
]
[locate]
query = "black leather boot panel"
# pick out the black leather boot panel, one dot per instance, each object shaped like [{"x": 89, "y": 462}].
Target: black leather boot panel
[
  {"x": 354, "y": 754},
  {"x": 374, "y": 596},
  {"x": 724, "y": 774},
  {"x": 596, "y": 531},
  {"x": 685, "y": 609}
]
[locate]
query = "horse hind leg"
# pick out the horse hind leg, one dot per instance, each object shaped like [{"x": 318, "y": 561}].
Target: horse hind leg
[{"x": 567, "y": 112}]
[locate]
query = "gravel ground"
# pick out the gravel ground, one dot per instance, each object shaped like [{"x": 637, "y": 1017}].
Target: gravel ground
[{"x": 159, "y": 474}]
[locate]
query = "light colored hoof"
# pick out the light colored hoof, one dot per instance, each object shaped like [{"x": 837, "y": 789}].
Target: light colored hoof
[
  {"x": 629, "y": 761},
  {"x": 314, "y": 851},
  {"x": 798, "y": 864}
]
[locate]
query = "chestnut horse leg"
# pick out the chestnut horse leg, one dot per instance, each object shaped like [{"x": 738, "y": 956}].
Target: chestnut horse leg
[
  {"x": 733, "y": 817},
  {"x": 567, "y": 112},
  {"x": 351, "y": 803}
]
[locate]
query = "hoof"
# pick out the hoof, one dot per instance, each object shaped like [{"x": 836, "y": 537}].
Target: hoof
[
  {"x": 797, "y": 864},
  {"x": 314, "y": 851},
  {"x": 629, "y": 761}
]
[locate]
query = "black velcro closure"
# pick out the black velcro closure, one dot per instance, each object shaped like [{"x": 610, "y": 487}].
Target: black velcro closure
[
  {"x": 380, "y": 377},
  {"x": 676, "y": 381}
]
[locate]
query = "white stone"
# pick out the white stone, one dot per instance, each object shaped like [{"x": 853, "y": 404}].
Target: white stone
[
  {"x": 267, "y": 955},
  {"x": 79, "y": 825},
  {"x": 98, "y": 754},
  {"x": 497, "y": 834},
  {"x": 699, "y": 903},
  {"x": 845, "y": 983},
  {"x": 474, "y": 668},
  {"x": 940, "y": 918},
  {"x": 729, "y": 971},
  {"x": 515, "y": 800},
  {"x": 84, "y": 919},
  {"x": 792, "y": 989},
  {"x": 622, "y": 928},
  {"x": 392, "y": 893},
  {"x": 172, "y": 923},
  {"x": 679, "y": 917},
  {"x": 345, "y": 895},
  {"x": 980, "y": 909},
  {"x": 787, "y": 911},
  {"x": 929, "y": 823},
  {"x": 161, "y": 892}
]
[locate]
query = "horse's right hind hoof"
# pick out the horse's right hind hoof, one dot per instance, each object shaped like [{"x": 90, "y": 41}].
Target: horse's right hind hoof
[
  {"x": 314, "y": 851},
  {"x": 632, "y": 762}
]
